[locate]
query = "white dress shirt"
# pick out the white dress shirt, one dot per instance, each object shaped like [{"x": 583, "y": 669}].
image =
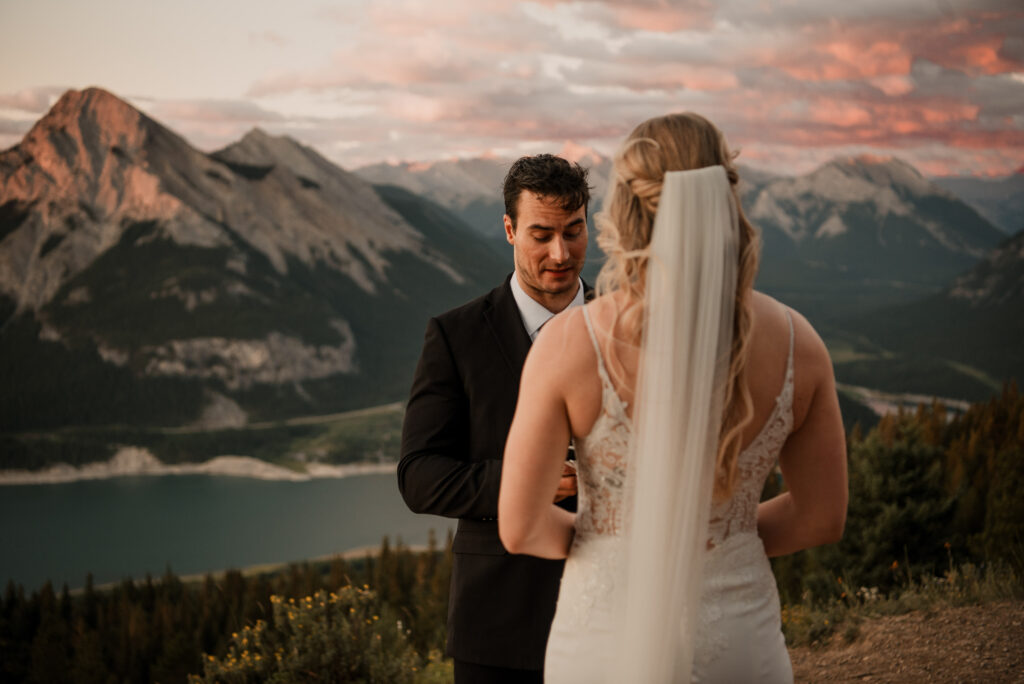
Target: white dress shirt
[{"x": 533, "y": 313}]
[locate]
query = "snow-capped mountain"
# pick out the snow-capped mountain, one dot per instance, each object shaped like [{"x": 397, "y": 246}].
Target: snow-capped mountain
[
  {"x": 259, "y": 280},
  {"x": 887, "y": 198},
  {"x": 862, "y": 232}
]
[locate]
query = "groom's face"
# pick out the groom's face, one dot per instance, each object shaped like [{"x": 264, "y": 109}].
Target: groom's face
[{"x": 549, "y": 245}]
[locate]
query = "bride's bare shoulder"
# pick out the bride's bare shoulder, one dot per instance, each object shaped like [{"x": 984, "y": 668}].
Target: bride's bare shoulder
[
  {"x": 812, "y": 365},
  {"x": 769, "y": 321},
  {"x": 563, "y": 343}
]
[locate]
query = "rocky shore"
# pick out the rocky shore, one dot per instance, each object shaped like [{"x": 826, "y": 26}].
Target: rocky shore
[{"x": 139, "y": 461}]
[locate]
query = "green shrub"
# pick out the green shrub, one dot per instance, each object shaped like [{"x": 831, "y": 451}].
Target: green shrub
[{"x": 338, "y": 636}]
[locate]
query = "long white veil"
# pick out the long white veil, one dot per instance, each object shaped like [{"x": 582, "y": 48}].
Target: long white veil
[{"x": 690, "y": 296}]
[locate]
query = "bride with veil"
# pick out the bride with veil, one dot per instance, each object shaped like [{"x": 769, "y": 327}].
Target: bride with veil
[{"x": 682, "y": 387}]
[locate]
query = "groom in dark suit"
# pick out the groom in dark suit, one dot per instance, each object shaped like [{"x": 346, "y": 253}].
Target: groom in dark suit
[{"x": 460, "y": 408}]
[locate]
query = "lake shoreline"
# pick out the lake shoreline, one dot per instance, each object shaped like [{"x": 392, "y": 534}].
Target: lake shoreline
[
  {"x": 257, "y": 570},
  {"x": 134, "y": 461}
]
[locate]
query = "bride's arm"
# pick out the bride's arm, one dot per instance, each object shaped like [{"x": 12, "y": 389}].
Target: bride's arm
[
  {"x": 812, "y": 511},
  {"x": 535, "y": 451}
]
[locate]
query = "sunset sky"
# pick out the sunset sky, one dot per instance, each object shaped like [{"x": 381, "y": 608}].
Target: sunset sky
[{"x": 794, "y": 83}]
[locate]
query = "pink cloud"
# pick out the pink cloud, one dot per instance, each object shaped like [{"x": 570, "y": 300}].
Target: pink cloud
[
  {"x": 847, "y": 59},
  {"x": 839, "y": 114},
  {"x": 973, "y": 44},
  {"x": 892, "y": 84},
  {"x": 663, "y": 17},
  {"x": 34, "y": 100},
  {"x": 213, "y": 111},
  {"x": 811, "y": 77},
  {"x": 984, "y": 57}
]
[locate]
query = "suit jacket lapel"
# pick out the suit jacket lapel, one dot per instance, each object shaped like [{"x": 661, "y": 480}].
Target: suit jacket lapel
[{"x": 507, "y": 325}]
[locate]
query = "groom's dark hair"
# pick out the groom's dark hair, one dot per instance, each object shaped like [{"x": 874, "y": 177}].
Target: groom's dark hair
[{"x": 547, "y": 175}]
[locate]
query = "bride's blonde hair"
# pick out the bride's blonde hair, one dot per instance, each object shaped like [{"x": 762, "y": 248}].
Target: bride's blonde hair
[{"x": 676, "y": 142}]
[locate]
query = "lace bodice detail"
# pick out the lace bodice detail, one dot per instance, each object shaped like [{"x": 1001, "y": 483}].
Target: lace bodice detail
[{"x": 601, "y": 461}]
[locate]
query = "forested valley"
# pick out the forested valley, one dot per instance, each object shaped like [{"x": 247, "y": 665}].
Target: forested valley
[{"x": 933, "y": 494}]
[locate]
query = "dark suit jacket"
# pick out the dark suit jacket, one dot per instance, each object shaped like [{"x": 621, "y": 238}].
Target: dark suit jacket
[{"x": 453, "y": 439}]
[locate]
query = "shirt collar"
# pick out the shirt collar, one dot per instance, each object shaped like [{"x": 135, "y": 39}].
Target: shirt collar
[{"x": 533, "y": 313}]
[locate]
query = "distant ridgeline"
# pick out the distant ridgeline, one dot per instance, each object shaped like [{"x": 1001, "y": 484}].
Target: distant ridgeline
[{"x": 145, "y": 285}]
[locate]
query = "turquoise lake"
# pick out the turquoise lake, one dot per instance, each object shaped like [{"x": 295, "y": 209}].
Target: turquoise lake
[{"x": 130, "y": 526}]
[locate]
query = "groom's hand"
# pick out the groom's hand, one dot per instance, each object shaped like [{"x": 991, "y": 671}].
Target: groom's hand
[{"x": 566, "y": 485}]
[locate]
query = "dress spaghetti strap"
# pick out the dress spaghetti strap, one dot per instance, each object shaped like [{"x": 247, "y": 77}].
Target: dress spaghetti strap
[{"x": 601, "y": 371}]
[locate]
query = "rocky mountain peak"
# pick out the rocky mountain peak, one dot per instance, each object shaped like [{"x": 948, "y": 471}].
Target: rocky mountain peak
[
  {"x": 81, "y": 127},
  {"x": 257, "y": 148},
  {"x": 860, "y": 212},
  {"x": 87, "y": 169},
  {"x": 95, "y": 166},
  {"x": 884, "y": 171},
  {"x": 889, "y": 185},
  {"x": 106, "y": 110}
]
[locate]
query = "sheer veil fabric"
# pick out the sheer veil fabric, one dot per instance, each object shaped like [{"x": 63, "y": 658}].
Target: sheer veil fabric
[{"x": 690, "y": 295}]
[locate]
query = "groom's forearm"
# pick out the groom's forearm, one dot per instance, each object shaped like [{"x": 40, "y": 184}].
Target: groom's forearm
[
  {"x": 442, "y": 485},
  {"x": 435, "y": 473}
]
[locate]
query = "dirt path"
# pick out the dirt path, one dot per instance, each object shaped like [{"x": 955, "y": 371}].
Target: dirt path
[{"x": 969, "y": 644}]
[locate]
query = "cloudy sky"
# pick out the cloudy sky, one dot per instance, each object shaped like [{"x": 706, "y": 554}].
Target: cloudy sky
[{"x": 792, "y": 83}]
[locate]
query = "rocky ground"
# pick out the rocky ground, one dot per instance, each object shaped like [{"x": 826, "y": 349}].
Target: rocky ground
[{"x": 968, "y": 644}]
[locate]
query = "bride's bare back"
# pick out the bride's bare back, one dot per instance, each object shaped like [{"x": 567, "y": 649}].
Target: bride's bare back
[
  {"x": 813, "y": 460},
  {"x": 766, "y": 365}
]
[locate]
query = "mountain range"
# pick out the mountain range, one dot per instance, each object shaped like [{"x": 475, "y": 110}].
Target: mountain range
[
  {"x": 854, "y": 234},
  {"x": 143, "y": 280},
  {"x": 859, "y": 233},
  {"x": 472, "y": 190}
]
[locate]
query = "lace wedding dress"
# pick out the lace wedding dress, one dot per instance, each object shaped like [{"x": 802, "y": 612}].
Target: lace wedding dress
[{"x": 739, "y": 637}]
